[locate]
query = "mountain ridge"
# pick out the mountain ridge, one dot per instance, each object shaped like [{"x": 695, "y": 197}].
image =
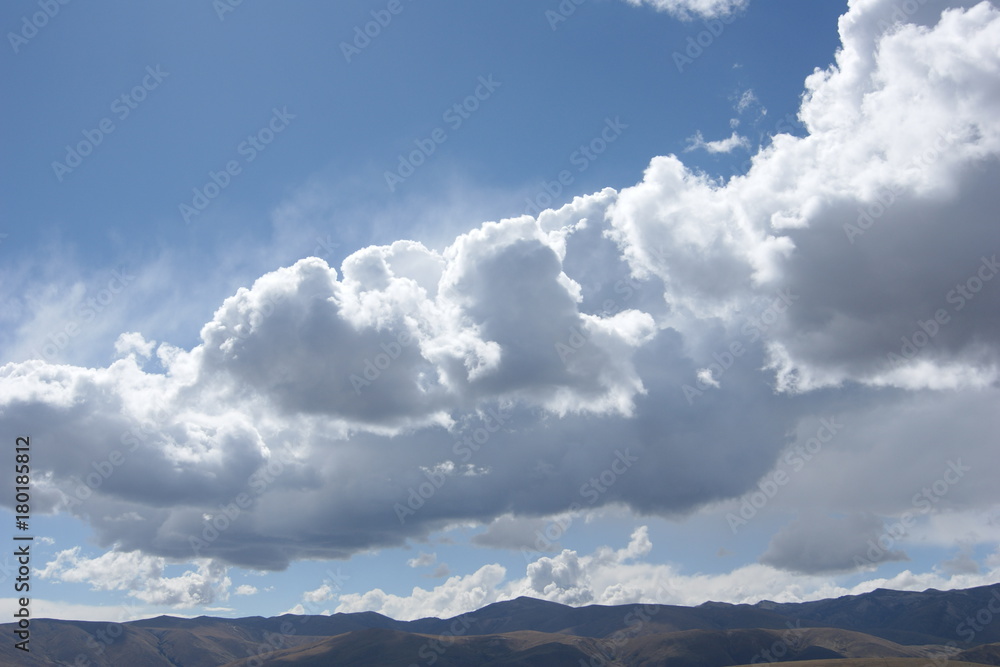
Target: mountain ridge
[{"x": 523, "y": 631}]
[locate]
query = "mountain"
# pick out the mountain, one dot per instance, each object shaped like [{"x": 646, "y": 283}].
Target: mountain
[
  {"x": 907, "y": 617},
  {"x": 883, "y": 624}
]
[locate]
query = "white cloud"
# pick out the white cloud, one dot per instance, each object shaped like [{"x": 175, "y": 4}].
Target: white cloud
[
  {"x": 422, "y": 560},
  {"x": 747, "y": 98},
  {"x": 727, "y": 145},
  {"x": 456, "y": 596},
  {"x": 321, "y": 594},
  {"x": 134, "y": 343},
  {"x": 72, "y": 611},
  {"x": 535, "y": 351},
  {"x": 245, "y": 589},
  {"x": 901, "y": 130},
  {"x": 687, "y": 9},
  {"x": 141, "y": 576},
  {"x": 622, "y": 576}
]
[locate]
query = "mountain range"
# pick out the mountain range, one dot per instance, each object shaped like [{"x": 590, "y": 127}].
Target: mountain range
[{"x": 886, "y": 628}]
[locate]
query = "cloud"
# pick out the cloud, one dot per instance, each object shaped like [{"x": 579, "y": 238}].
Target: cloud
[
  {"x": 747, "y": 98},
  {"x": 727, "y": 145},
  {"x": 510, "y": 532},
  {"x": 441, "y": 571},
  {"x": 321, "y": 594},
  {"x": 549, "y": 367},
  {"x": 141, "y": 576},
  {"x": 422, "y": 560},
  {"x": 962, "y": 563},
  {"x": 688, "y": 9},
  {"x": 245, "y": 589},
  {"x": 818, "y": 544},
  {"x": 70, "y": 611},
  {"x": 623, "y": 576},
  {"x": 824, "y": 215},
  {"x": 456, "y": 596}
]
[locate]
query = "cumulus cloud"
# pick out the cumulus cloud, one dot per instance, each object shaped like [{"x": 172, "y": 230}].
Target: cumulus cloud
[
  {"x": 543, "y": 367},
  {"x": 321, "y": 594},
  {"x": 826, "y": 215},
  {"x": 688, "y": 9},
  {"x": 141, "y": 576},
  {"x": 623, "y": 576},
  {"x": 456, "y": 596},
  {"x": 453, "y": 362},
  {"x": 727, "y": 145}
]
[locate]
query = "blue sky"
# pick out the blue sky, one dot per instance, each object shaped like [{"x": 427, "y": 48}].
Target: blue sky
[{"x": 582, "y": 247}]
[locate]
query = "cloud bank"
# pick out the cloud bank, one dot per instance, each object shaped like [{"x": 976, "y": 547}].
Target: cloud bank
[{"x": 682, "y": 334}]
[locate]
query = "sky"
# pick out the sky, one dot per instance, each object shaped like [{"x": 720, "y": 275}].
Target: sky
[{"x": 411, "y": 307}]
